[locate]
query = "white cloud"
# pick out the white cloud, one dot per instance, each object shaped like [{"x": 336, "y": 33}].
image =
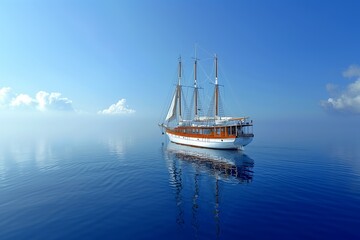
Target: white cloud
[
  {"x": 354, "y": 88},
  {"x": 43, "y": 101},
  {"x": 22, "y": 100},
  {"x": 118, "y": 108},
  {"x": 331, "y": 88},
  {"x": 53, "y": 101},
  {"x": 352, "y": 71},
  {"x": 347, "y": 100},
  {"x": 4, "y": 95}
]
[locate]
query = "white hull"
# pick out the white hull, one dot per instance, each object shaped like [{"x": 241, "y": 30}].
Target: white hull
[{"x": 226, "y": 143}]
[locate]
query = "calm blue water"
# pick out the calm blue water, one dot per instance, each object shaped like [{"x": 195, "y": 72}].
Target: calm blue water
[{"x": 127, "y": 187}]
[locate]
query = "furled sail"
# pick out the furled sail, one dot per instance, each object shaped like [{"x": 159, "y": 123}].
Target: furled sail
[{"x": 172, "y": 110}]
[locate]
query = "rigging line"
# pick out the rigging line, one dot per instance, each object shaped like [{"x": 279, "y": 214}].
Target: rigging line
[
  {"x": 185, "y": 104},
  {"x": 211, "y": 106},
  {"x": 204, "y": 60},
  {"x": 207, "y": 97},
  {"x": 225, "y": 107},
  {"x": 231, "y": 95},
  {"x": 200, "y": 110},
  {"x": 203, "y": 101},
  {"x": 205, "y": 50},
  {"x": 207, "y": 76},
  {"x": 191, "y": 107},
  {"x": 221, "y": 106}
]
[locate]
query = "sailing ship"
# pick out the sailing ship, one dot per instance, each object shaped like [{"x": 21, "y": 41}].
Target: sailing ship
[{"x": 216, "y": 131}]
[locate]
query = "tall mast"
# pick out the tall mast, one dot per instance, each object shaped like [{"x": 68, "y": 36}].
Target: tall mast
[
  {"x": 216, "y": 88},
  {"x": 179, "y": 88},
  {"x": 179, "y": 75},
  {"x": 195, "y": 89}
]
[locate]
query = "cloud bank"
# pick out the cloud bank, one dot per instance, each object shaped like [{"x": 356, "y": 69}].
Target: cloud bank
[
  {"x": 43, "y": 101},
  {"x": 117, "y": 108},
  {"x": 53, "y": 101},
  {"x": 348, "y": 99},
  {"x": 4, "y": 96}
]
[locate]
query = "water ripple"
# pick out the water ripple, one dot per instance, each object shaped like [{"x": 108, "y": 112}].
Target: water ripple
[{"x": 114, "y": 188}]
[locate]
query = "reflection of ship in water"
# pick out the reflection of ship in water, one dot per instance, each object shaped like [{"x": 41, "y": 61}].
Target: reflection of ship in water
[
  {"x": 223, "y": 163},
  {"x": 234, "y": 166}
]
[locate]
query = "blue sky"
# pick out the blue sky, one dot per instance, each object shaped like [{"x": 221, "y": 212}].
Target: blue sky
[{"x": 280, "y": 59}]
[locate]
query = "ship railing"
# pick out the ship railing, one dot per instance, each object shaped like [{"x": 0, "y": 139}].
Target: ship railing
[{"x": 225, "y": 121}]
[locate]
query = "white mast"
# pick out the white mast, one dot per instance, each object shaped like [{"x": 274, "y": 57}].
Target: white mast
[
  {"x": 216, "y": 88},
  {"x": 179, "y": 88},
  {"x": 195, "y": 89}
]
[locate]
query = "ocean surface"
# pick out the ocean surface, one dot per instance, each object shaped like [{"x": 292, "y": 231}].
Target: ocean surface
[{"x": 123, "y": 186}]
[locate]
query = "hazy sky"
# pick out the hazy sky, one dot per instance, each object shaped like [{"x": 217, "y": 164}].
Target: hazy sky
[{"x": 278, "y": 59}]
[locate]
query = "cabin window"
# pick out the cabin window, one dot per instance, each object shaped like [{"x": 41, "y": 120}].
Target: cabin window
[
  {"x": 218, "y": 131},
  {"x": 206, "y": 131},
  {"x": 233, "y": 130}
]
